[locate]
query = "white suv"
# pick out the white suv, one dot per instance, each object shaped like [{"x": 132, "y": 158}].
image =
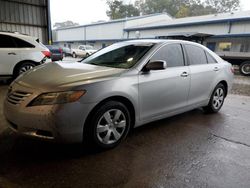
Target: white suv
[{"x": 19, "y": 53}]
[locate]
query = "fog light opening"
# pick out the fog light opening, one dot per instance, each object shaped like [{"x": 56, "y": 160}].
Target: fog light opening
[{"x": 44, "y": 133}]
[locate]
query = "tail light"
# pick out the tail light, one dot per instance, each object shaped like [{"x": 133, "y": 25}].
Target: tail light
[
  {"x": 47, "y": 53},
  {"x": 232, "y": 69}
]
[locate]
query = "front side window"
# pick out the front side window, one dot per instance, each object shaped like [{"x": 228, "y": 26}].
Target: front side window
[
  {"x": 7, "y": 42},
  {"x": 196, "y": 55},
  {"x": 119, "y": 55},
  {"x": 171, "y": 53}
]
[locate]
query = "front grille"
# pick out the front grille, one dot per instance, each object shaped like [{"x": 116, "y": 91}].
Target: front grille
[{"x": 16, "y": 97}]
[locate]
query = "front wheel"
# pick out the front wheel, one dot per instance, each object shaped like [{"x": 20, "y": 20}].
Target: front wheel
[
  {"x": 74, "y": 55},
  {"x": 216, "y": 100},
  {"x": 108, "y": 126}
]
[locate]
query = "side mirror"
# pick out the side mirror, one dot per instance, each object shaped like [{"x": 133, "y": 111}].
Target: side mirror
[{"x": 155, "y": 65}]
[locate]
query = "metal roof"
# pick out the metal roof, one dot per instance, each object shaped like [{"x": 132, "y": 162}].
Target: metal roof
[
  {"x": 196, "y": 20},
  {"x": 189, "y": 34},
  {"x": 116, "y": 21}
]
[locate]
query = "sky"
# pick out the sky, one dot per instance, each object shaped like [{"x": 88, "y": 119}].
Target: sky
[{"x": 88, "y": 11}]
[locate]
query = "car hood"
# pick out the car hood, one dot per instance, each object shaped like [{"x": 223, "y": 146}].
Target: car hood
[{"x": 56, "y": 75}]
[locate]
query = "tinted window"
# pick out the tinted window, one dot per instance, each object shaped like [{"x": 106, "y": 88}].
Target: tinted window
[
  {"x": 119, "y": 56},
  {"x": 171, "y": 53},
  {"x": 196, "y": 55},
  {"x": 6, "y": 42},
  {"x": 22, "y": 44},
  {"x": 210, "y": 59}
]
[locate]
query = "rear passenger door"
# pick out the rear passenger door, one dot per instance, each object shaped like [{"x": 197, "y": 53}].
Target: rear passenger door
[
  {"x": 202, "y": 74},
  {"x": 164, "y": 91},
  {"x": 9, "y": 54}
]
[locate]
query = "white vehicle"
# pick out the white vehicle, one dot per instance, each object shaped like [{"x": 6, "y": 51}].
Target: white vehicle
[
  {"x": 19, "y": 53},
  {"x": 83, "y": 51}
]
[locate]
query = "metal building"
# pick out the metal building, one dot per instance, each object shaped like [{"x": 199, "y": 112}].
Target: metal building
[
  {"x": 104, "y": 33},
  {"x": 226, "y": 34},
  {"x": 31, "y": 17}
]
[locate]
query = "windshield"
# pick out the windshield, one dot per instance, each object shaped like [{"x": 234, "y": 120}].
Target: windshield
[{"x": 119, "y": 55}]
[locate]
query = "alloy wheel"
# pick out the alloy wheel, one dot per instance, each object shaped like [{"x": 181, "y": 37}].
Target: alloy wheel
[
  {"x": 111, "y": 126},
  {"x": 25, "y": 68},
  {"x": 218, "y": 98}
]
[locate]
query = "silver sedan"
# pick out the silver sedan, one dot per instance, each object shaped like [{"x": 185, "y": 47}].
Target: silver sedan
[{"x": 125, "y": 85}]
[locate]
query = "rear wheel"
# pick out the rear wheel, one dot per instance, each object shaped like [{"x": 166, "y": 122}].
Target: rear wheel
[
  {"x": 216, "y": 100},
  {"x": 74, "y": 55},
  {"x": 245, "y": 68},
  {"x": 108, "y": 126},
  {"x": 22, "y": 68}
]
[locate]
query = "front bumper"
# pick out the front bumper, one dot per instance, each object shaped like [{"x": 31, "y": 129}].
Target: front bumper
[{"x": 63, "y": 123}]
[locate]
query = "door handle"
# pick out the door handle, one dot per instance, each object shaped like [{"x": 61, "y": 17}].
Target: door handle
[
  {"x": 12, "y": 53},
  {"x": 184, "y": 74},
  {"x": 216, "y": 69}
]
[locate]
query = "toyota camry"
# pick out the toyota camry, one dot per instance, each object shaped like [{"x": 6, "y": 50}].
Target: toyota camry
[{"x": 120, "y": 87}]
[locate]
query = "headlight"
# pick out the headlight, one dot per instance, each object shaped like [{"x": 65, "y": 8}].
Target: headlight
[{"x": 57, "y": 98}]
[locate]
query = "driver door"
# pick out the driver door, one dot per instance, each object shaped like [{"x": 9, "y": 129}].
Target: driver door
[{"x": 164, "y": 91}]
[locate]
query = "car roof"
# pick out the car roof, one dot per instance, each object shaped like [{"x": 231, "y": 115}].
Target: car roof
[
  {"x": 159, "y": 41},
  {"x": 19, "y": 35}
]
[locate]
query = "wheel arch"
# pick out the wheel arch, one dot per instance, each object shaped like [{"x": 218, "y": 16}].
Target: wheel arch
[
  {"x": 121, "y": 99},
  {"x": 225, "y": 85},
  {"x": 21, "y": 62}
]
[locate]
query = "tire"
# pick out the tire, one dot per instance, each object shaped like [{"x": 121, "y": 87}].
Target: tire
[
  {"x": 87, "y": 55},
  {"x": 216, "y": 100},
  {"x": 74, "y": 55},
  {"x": 105, "y": 130},
  {"x": 25, "y": 66},
  {"x": 245, "y": 68}
]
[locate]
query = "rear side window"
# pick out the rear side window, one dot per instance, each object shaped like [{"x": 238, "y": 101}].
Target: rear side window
[
  {"x": 22, "y": 44},
  {"x": 171, "y": 53},
  {"x": 12, "y": 42},
  {"x": 210, "y": 59},
  {"x": 196, "y": 55},
  {"x": 7, "y": 42}
]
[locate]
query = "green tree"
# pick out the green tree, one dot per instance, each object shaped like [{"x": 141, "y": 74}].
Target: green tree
[
  {"x": 223, "y": 5},
  {"x": 117, "y": 9},
  {"x": 184, "y": 8},
  {"x": 159, "y": 6}
]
